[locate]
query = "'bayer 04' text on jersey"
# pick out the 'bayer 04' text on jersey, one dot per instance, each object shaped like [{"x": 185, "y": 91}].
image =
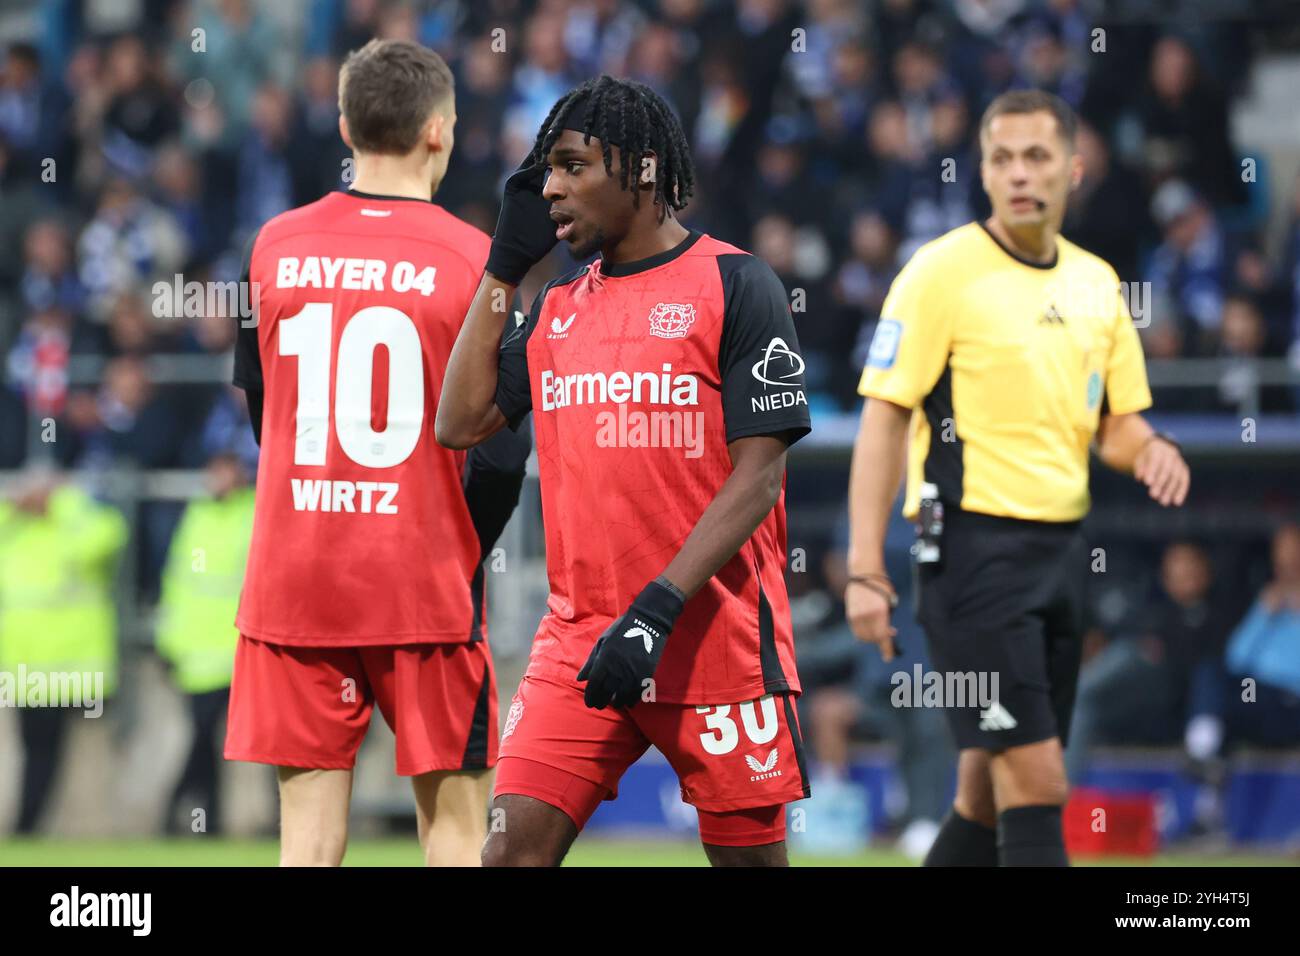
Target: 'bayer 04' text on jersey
[
  {"x": 361, "y": 533},
  {"x": 638, "y": 376}
]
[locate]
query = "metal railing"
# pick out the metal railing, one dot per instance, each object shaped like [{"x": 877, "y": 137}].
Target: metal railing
[
  {"x": 1252, "y": 376},
  {"x": 516, "y": 596}
]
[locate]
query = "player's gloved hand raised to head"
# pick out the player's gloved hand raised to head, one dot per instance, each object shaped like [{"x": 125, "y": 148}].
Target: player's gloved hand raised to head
[
  {"x": 628, "y": 652},
  {"x": 525, "y": 232}
]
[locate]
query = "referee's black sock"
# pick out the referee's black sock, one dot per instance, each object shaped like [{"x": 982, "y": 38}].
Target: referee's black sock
[
  {"x": 1031, "y": 836},
  {"x": 963, "y": 842}
]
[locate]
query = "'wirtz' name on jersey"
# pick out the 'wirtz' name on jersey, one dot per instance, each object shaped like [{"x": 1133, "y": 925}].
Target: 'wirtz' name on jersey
[{"x": 336, "y": 495}]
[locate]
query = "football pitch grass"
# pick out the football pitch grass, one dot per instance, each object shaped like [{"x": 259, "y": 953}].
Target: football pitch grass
[{"x": 588, "y": 851}]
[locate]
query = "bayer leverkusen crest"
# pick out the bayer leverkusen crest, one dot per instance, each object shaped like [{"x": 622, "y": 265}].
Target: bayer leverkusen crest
[{"x": 670, "y": 320}]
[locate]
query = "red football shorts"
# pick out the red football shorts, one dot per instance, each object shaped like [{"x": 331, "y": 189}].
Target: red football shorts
[
  {"x": 310, "y": 706},
  {"x": 738, "y": 764}
]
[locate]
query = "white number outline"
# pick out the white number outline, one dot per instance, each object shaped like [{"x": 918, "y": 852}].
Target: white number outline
[
  {"x": 308, "y": 335},
  {"x": 725, "y": 734}
]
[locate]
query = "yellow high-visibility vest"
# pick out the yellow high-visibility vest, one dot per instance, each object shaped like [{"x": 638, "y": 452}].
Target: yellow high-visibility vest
[
  {"x": 200, "y": 590},
  {"x": 56, "y": 586}
]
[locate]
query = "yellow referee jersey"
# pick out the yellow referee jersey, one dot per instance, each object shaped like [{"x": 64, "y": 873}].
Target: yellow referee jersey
[{"x": 1008, "y": 366}]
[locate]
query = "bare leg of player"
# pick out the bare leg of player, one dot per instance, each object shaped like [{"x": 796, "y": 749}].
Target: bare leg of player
[
  {"x": 770, "y": 854},
  {"x": 974, "y": 799},
  {"x": 525, "y": 831},
  {"x": 1030, "y": 775},
  {"x": 451, "y": 814},
  {"x": 1030, "y": 787},
  {"x": 314, "y": 816}
]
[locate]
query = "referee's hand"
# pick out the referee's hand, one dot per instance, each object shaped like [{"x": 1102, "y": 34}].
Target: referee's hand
[
  {"x": 1161, "y": 468},
  {"x": 867, "y": 611}
]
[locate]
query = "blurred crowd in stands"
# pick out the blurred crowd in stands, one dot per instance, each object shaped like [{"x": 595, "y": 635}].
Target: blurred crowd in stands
[{"x": 831, "y": 137}]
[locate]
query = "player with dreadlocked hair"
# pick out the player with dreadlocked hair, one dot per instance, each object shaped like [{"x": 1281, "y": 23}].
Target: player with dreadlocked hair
[
  {"x": 630, "y": 113},
  {"x": 667, "y": 384}
]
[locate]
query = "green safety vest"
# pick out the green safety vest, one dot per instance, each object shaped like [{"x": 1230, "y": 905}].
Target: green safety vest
[
  {"x": 200, "y": 590},
  {"x": 56, "y": 586}
]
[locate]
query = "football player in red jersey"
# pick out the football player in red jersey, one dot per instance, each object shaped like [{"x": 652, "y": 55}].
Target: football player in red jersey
[
  {"x": 365, "y": 577},
  {"x": 665, "y": 384}
]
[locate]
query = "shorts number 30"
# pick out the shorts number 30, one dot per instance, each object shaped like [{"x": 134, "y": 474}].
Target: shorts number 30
[{"x": 725, "y": 736}]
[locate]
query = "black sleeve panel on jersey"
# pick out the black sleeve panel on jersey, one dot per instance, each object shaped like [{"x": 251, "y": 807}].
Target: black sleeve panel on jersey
[
  {"x": 248, "y": 358},
  {"x": 254, "y": 396},
  {"x": 514, "y": 392},
  {"x": 763, "y": 391},
  {"x": 494, "y": 476}
]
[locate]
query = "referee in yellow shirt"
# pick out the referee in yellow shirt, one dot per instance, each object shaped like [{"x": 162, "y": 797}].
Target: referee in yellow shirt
[{"x": 1003, "y": 352}]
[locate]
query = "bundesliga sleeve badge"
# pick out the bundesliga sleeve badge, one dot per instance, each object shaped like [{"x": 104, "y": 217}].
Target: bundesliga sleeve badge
[
  {"x": 884, "y": 344},
  {"x": 670, "y": 320}
]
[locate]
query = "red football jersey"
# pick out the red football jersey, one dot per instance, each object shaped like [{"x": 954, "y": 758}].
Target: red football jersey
[
  {"x": 638, "y": 375},
  {"x": 361, "y": 533}
]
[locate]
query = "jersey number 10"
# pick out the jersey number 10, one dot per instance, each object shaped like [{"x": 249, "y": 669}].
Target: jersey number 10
[{"x": 309, "y": 336}]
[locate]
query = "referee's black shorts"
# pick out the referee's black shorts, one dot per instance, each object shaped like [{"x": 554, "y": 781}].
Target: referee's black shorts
[{"x": 1005, "y": 601}]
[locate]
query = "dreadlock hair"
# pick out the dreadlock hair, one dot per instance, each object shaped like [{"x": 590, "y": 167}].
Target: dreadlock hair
[{"x": 639, "y": 122}]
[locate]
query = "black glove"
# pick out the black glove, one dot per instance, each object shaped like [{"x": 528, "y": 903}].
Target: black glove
[
  {"x": 628, "y": 652},
  {"x": 525, "y": 231}
]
